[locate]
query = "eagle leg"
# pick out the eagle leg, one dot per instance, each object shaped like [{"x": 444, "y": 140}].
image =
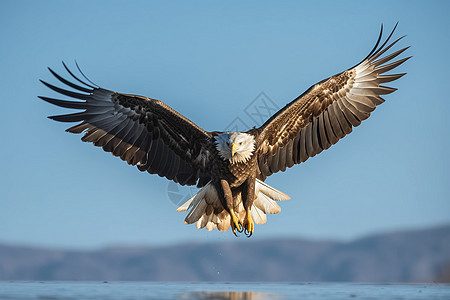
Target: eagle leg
[
  {"x": 248, "y": 197},
  {"x": 236, "y": 225},
  {"x": 226, "y": 198},
  {"x": 249, "y": 225}
]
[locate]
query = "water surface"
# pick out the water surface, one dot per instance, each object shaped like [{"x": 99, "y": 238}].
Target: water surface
[{"x": 209, "y": 291}]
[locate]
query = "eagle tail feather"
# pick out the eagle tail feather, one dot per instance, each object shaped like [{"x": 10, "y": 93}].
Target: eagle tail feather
[
  {"x": 270, "y": 192},
  {"x": 206, "y": 210}
]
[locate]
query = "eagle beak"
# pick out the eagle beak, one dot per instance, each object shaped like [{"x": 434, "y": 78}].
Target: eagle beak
[{"x": 233, "y": 149}]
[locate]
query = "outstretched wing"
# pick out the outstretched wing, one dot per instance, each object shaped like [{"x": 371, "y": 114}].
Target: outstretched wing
[
  {"x": 327, "y": 111},
  {"x": 142, "y": 131}
]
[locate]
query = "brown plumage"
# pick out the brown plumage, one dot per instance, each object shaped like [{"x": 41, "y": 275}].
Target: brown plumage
[
  {"x": 326, "y": 112},
  {"x": 231, "y": 167}
]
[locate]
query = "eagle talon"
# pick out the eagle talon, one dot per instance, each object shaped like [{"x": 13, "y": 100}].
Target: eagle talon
[
  {"x": 234, "y": 231},
  {"x": 236, "y": 225},
  {"x": 241, "y": 227},
  {"x": 249, "y": 225}
]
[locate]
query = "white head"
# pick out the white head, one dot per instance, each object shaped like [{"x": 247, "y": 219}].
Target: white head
[{"x": 235, "y": 146}]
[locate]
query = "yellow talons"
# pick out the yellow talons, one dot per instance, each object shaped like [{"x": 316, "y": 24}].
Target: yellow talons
[
  {"x": 235, "y": 224},
  {"x": 249, "y": 225}
]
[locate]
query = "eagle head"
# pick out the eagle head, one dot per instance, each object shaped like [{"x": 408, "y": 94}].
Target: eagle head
[{"x": 237, "y": 147}]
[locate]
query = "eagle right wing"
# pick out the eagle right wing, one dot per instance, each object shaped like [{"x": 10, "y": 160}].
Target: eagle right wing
[
  {"x": 142, "y": 131},
  {"x": 326, "y": 112}
]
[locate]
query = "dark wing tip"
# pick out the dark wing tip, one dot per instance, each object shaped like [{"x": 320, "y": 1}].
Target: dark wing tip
[
  {"x": 68, "y": 83},
  {"x": 376, "y": 44},
  {"x": 75, "y": 117},
  {"x": 65, "y": 92},
  {"x": 85, "y": 77},
  {"x": 64, "y": 103},
  {"x": 78, "y": 79}
]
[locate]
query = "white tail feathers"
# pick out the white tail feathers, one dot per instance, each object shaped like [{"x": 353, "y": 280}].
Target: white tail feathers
[
  {"x": 207, "y": 210},
  {"x": 265, "y": 201}
]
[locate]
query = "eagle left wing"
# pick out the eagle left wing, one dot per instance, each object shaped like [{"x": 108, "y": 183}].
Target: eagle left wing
[
  {"x": 142, "y": 131},
  {"x": 326, "y": 112}
]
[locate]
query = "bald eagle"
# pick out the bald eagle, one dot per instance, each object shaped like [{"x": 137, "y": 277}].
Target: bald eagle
[{"x": 229, "y": 167}]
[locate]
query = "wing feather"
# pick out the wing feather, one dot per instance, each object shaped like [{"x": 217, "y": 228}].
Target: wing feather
[
  {"x": 289, "y": 155},
  {"x": 351, "y": 118},
  {"x": 282, "y": 159},
  {"x": 295, "y": 152},
  {"x": 325, "y": 144},
  {"x": 345, "y": 126},
  {"x": 316, "y": 136},
  {"x": 330, "y": 133},
  {"x": 308, "y": 140},
  {"x": 303, "y": 154}
]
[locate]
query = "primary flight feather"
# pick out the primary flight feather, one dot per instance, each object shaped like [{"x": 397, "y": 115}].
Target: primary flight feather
[{"x": 229, "y": 167}]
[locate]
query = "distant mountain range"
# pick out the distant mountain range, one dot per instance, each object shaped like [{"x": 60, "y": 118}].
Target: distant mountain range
[{"x": 409, "y": 256}]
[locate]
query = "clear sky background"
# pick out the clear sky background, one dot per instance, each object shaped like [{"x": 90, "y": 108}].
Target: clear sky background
[{"x": 209, "y": 60}]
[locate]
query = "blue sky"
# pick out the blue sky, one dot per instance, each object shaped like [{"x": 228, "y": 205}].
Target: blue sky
[{"x": 209, "y": 60}]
